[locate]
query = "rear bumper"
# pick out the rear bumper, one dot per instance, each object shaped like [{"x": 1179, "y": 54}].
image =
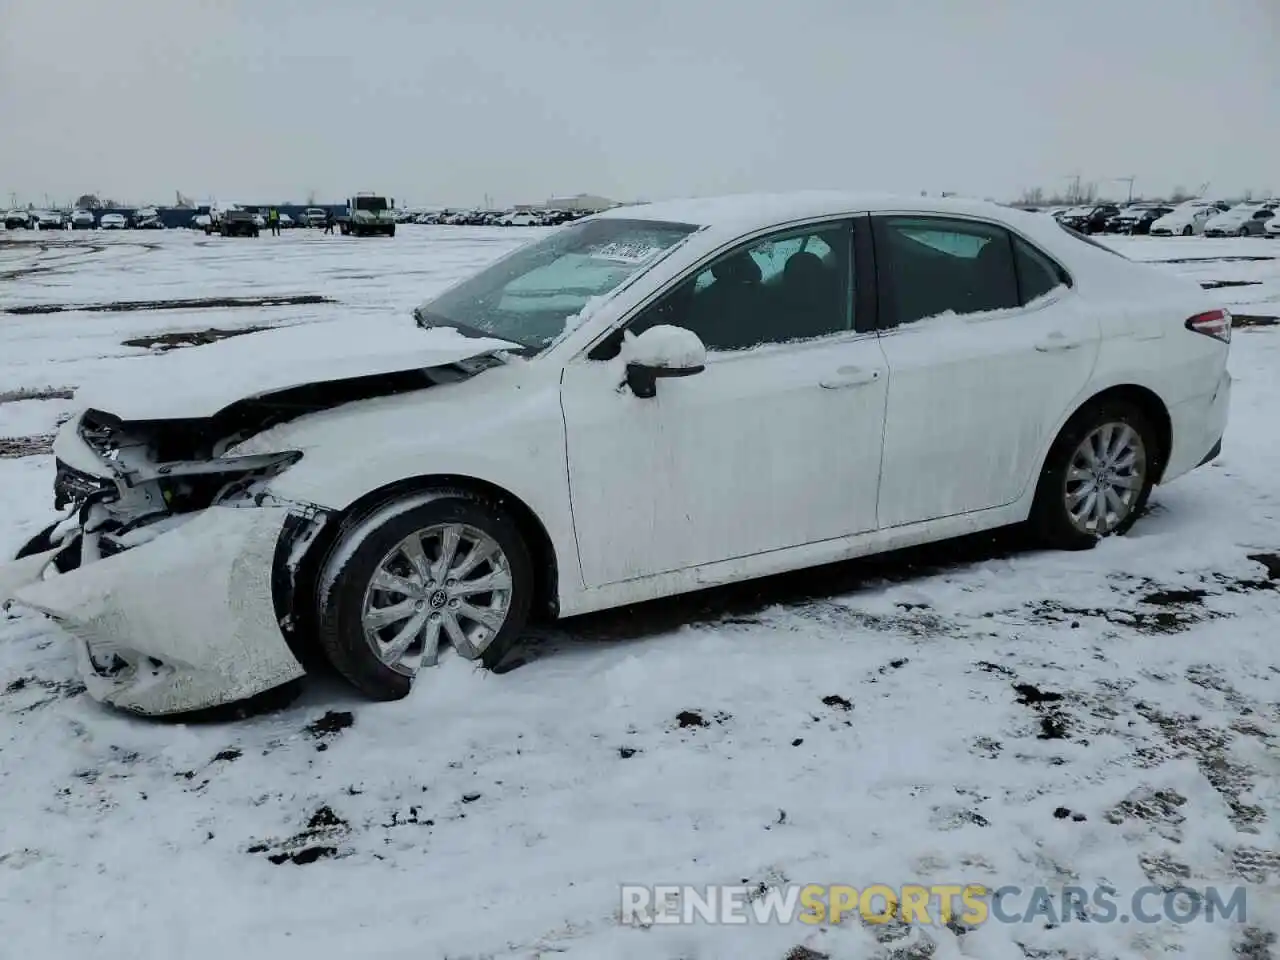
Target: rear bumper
[
  {"x": 184, "y": 622},
  {"x": 1198, "y": 428}
]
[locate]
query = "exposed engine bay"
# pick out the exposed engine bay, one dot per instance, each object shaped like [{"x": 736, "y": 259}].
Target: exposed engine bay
[{"x": 155, "y": 474}]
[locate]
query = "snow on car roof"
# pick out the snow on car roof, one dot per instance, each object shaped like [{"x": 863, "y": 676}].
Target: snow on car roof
[{"x": 744, "y": 212}]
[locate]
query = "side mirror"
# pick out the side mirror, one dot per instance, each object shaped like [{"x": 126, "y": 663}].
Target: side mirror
[{"x": 661, "y": 351}]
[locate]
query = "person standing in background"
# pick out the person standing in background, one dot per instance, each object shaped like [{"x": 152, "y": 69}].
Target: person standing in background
[{"x": 273, "y": 221}]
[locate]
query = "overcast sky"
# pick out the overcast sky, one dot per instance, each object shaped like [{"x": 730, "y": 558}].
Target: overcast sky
[{"x": 441, "y": 101}]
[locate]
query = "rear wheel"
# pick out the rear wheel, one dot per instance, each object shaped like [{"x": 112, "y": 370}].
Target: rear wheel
[
  {"x": 1186, "y": 231},
  {"x": 1097, "y": 477},
  {"x": 445, "y": 567}
]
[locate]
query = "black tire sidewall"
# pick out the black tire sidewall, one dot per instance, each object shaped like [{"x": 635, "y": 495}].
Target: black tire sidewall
[
  {"x": 1049, "y": 514},
  {"x": 339, "y": 607}
]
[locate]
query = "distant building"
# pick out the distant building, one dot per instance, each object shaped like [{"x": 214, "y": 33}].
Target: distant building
[{"x": 581, "y": 203}]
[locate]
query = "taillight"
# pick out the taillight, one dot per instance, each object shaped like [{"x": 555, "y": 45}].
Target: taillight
[{"x": 1215, "y": 323}]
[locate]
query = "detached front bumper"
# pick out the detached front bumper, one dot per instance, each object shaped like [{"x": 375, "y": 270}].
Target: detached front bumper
[{"x": 183, "y": 622}]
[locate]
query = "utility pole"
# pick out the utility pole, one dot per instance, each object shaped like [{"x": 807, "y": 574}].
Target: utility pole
[{"x": 1129, "y": 181}]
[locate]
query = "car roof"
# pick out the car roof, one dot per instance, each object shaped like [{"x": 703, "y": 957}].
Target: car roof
[{"x": 743, "y": 213}]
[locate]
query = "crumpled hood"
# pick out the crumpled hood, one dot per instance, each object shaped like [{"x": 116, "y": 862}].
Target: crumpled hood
[{"x": 200, "y": 381}]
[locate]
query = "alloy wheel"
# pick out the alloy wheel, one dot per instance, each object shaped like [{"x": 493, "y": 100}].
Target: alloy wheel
[
  {"x": 1105, "y": 478},
  {"x": 449, "y": 581}
]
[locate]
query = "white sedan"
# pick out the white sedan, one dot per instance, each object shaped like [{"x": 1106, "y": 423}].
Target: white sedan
[{"x": 646, "y": 402}]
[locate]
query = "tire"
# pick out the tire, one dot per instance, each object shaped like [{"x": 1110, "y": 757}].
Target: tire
[
  {"x": 1051, "y": 520},
  {"x": 372, "y": 540},
  {"x": 1242, "y": 232},
  {"x": 391, "y": 231},
  {"x": 1187, "y": 231}
]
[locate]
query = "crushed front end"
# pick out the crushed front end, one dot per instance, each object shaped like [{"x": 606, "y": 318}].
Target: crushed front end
[{"x": 166, "y": 562}]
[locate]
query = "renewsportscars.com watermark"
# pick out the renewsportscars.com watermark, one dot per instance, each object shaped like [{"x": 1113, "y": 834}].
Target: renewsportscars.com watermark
[{"x": 969, "y": 904}]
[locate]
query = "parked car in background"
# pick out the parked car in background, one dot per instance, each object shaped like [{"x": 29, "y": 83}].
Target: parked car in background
[
  {"x": 287, "y": 222},
  {"x": 202, "y": 221},
  {"x": 82, "y": 220},
  {"x": 1137, "y": 221},
  {"x": 484, "y": 482},
  {"x": 313, "y": 217},
  {"x": 1242, "y": 220},
  {"x": 1272, "y": 227},
  {"x": 112, "y": 221},
  {"x": 17, "y": 220},
  {"x": 1185, "y": 219},
  {"x": 239, "y": 222},
  {"x": 1092, "y": 219},
  {"x": 48, "y": 220},
  {"x": 146, "y": 218},
  {"x": 527, "y": 219}
]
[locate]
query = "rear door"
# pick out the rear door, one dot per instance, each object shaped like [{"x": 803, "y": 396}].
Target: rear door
[{"x": 987, "y": 346}]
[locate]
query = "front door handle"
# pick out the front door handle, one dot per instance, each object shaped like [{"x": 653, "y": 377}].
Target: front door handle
[
  {"x": 846, "y": 377},
  {"x": 1058, "y": 341}
]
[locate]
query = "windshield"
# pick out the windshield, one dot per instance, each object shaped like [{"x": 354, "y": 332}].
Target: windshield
[
  {"x": 532, "y": 295},
  {"x": 373, "y": 204}
]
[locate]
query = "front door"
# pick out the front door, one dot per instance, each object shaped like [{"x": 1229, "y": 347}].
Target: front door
[{"x": 775, "y": 444}]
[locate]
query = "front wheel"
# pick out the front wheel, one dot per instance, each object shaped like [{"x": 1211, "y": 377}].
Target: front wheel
[
  {"x": 1186, "y": 231},
  {"x": 1097, "y": 477},
  {"x": 419, "y": 572}
]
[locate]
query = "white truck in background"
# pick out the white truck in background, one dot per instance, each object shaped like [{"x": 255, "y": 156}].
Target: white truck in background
[{"x": 368, "y": 214}]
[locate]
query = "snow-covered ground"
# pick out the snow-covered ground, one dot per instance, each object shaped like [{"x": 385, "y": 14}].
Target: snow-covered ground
[{"x": 972, "y": 713}]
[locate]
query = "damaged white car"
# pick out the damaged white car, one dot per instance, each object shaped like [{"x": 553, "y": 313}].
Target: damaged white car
[{"x": 649, "y": 401}]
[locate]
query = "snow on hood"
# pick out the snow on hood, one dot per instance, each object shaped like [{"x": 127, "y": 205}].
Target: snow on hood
[{"x": 200, "y": 381}]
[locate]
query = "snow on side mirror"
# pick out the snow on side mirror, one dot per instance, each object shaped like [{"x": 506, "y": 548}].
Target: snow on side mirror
[{"x": 661, "y": 351}]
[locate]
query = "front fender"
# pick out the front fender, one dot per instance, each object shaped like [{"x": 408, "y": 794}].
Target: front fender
[{"x": 531, "y": 469}]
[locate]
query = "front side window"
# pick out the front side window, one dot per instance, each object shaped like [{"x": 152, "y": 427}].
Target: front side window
[
  {"x": 930, "y": 266},
  {"x": 788, "y": 287},
  {"x": 538, "y": 293}
]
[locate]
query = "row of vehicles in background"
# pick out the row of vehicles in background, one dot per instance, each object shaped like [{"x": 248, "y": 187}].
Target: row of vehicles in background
[
  {"x": 500, "y": 218},
  {"x": 366, "y": 214},
  {"x": 146, "y": 218},
  {"x": 1210, "y": 218}
]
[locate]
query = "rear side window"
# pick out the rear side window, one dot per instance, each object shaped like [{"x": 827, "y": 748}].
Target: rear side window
[
  {"x": 930, "y": 266},
  {"x": 1037, "y": 274}
]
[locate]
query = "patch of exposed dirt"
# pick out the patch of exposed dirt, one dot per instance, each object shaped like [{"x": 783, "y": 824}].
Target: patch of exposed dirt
[
  {"x": 1187, "y": 736},
  {"x": 45, "y": 691},
  {"x": 1223, "y": 284},
  {"x": 36, "y": 393},
  {"x": 164, "y": 342},
  {"x": 1182, "y": 609},
  {"x": 329, "y": 726},
  {"x": 197, "y": 303},
  {"x": 1237, "y": 259},
  {"x": 13, "y": 447},
  {"x": 1256, "y": 865},
  {"x": 1254, "y": 944},
  {"x": 318, "y": 841},
  {"x": 1160, "y": 808}
]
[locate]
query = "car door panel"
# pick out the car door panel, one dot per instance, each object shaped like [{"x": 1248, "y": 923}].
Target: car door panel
[
  {"x": 972, "y": 399},
  {"x": 767, "y": 449},
  {"x": 775, "y": 444}
]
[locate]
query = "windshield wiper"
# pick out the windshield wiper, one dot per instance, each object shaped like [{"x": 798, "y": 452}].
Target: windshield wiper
[{"x": 428, "y": 320}]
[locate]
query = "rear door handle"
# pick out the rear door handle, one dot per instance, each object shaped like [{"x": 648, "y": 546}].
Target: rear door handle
[
  {"x": 1055, "y": 342},
  {"x": 846, "y": 377}
]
